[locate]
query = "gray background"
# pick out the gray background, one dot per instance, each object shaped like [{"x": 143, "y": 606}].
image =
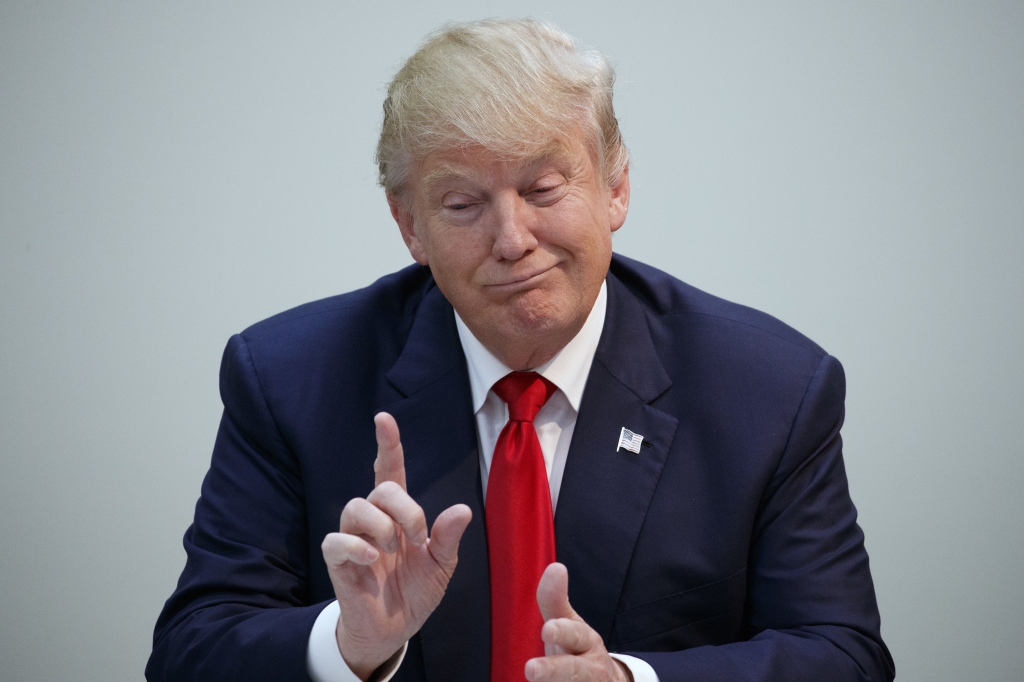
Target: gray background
[{"x": 172, "y": 172}]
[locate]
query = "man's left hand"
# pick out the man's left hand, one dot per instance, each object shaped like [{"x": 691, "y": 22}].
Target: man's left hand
[{"x": 573, "y": 651}]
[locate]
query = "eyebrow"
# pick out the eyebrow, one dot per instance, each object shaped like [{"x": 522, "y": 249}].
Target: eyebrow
[{"x": 440, "y": 175}]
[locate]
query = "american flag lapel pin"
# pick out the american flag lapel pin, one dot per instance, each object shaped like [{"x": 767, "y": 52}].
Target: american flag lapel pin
[{"x": 629, "y": 440}]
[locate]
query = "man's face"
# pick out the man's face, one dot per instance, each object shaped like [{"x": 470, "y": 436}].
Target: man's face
[{"x": 519, "y": 248}]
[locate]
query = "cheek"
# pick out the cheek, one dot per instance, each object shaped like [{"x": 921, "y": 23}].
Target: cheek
[
  {"x": 454, "y": 263},
  {"x": 581, "y": 228},
  {"x": 448, "y": 247},
  {"x": 590, "y": 250},
  {"x": 468, "y": 251}
]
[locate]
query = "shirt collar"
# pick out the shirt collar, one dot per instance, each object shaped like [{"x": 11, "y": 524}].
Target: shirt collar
[{"x": 568, "y": 370}]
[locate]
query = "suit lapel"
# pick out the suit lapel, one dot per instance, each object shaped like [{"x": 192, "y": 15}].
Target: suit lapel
[
  {"x": 442, "y": 468},
  {"x": 605, "y": 494}
]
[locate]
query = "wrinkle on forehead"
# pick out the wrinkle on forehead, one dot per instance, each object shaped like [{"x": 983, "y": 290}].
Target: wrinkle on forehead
[{"x": 464, "y": 164}]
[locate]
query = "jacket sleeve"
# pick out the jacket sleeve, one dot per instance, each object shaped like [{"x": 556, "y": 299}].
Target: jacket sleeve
[
  {"x": 810, "y": 611},
  {"x": 240, "y": 610}
]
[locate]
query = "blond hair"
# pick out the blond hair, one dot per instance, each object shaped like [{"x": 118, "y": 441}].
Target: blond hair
[{"x": 513, "y": 87}]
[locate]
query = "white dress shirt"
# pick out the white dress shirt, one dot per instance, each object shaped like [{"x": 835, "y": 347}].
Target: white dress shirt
[{"x": 555, "y": 423}]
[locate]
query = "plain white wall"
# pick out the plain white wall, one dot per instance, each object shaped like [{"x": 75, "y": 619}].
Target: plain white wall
[{"x": 172, "y": 172}]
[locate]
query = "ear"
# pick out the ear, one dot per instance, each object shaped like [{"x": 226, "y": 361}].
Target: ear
[
  {"x": 401, "y": 211},
  {"x": 619, "y": 200}
]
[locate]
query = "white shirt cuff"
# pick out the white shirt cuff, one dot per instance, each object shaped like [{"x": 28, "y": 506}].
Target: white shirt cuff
[
  {"x": 323, "y": 660},
  {"x": 641, "y": 670}
]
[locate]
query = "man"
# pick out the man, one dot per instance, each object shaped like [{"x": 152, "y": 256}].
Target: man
[{"x": 532, "y": 398}]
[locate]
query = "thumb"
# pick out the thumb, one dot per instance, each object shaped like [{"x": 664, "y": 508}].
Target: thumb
[
  {"x": 553, "y": 593},
  {"x": 446, "y": 535}
]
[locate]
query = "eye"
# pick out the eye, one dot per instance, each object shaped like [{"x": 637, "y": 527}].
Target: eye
[
  {"x": 456, "y": 201},
  {"x": 547, "y": 189}
]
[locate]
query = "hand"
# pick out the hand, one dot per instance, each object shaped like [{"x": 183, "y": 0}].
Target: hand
[
  {"x": 573, "y": 651},
  {"x": 388, "y": 576}
]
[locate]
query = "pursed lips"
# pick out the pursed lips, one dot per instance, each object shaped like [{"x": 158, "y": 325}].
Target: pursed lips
[{"x": 521, "y": 279}]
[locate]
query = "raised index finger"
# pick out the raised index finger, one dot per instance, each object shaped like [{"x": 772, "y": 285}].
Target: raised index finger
[{"x": 390, "y": 463}]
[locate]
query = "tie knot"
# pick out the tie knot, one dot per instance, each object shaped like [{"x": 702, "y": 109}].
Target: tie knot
[{"x": 524, "y": 393}]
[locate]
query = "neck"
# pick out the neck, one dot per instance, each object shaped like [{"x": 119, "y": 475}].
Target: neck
[{"x": 519, "y": 356}]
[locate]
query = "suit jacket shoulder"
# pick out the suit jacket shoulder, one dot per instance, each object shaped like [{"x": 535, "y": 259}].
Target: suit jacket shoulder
[
  {"x": 374, "y": 319},
  {"x": 725, "y": 359},
  {"x": 664, "y": 295}
]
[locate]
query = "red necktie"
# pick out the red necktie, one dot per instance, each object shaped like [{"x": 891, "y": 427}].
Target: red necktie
[{"x": 520, "y": 527}]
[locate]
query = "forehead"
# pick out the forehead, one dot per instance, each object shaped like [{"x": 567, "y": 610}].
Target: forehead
[{"x": 482, "y": 166}]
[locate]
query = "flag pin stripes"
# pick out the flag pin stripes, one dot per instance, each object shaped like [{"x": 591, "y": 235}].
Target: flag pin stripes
[{"x": 629, "y": 440}]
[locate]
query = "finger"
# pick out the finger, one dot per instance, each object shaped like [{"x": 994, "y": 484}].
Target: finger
[
  {"x": 340, "y": 548},
  {"x": 390, "y": 463},
  {"x": 392, "y": 499},
  {"x": 553, "y": 593},
  {"x": 447, "y": 533},
  {"x": 361, "y": 517},
  {"x": 555, "y": 669},
  {"x": 571, "y": 636}
]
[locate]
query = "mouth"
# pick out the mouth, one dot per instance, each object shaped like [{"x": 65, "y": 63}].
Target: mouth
[{"x": 521, "y": 281}]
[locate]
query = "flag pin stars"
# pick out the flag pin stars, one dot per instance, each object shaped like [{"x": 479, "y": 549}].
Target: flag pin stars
[{"x": 631, "y": 441}]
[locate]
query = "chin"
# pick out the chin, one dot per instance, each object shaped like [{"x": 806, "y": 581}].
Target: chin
[{"x": 538, "y": 312}]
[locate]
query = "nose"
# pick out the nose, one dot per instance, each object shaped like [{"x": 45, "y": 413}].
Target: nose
[{"x": 513, "y": 227}]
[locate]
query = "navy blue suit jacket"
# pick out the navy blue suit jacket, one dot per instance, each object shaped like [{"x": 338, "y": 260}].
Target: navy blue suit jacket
[{"x": 728, "y": 550}]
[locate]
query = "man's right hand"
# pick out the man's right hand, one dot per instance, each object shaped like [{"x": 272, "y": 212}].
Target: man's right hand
[{"x": 388, "y": 576}]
